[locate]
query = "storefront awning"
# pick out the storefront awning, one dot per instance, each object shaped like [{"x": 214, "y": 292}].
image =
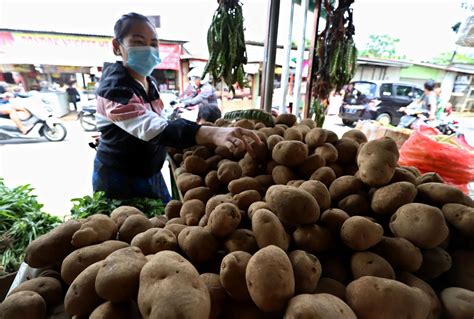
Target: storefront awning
[{"x": 18, "y": 47}]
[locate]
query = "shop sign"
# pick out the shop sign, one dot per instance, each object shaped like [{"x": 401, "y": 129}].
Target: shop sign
[
  {"x": 20, "y": 68},
  {"x": 170, "y": 56}
]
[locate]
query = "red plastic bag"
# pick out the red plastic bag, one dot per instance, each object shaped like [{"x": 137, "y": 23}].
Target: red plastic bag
[{"x": 454, "y": 164}]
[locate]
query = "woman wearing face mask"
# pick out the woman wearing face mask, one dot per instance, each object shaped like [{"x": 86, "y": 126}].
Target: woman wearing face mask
[{"x": 132, "y": 150}]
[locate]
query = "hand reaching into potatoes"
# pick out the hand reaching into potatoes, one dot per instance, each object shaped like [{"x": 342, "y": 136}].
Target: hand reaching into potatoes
[{"x": 236, "y": 139}]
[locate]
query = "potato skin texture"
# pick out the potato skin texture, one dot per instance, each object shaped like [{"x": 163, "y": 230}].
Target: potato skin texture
[
  {"x": 121, "y": 213},
  {"x": 120, "y": 269},
  {"x": 344, "y": 186},
  {"x": 325, "y": 175},
  {"x": 50, "y": 289},
  {"x": 177, "y": 291},
  {"x": 436, "y": 261},
  {"x": 388, "y": 199},
  {"x": 80, "y": 259},
  {"x": 458, "y": 302},
  {"x": 359, "y": 233},
  {"x": 400, "y": 253},
  {"x": 23, "y": 304},
  {"x": 319, "y": 191},
  {"x": 438, "y": 194},
  {"x": 269, "y": 277},
  {"x": 307, "y": 271},
  {"x": 192, "y": 211},
  {"x": 114, "y": 310},
  {"x": 198, "y": 243},
  {"x": 95, "y": 229},
  {"x": 229, "y": 171},
  {"x": 370, "y": 264},
  {"x": 224, "y": 219},
  {"x": 292, "y": 205},
  {"x": 217, "y": 294},
  {"x": 172, "y": 208},
  {"x": 421, "y": 224},
  {"x": 313, "y": 238},
  {"x": 52, "y": 247},
  {"x": 373, "y": 297},
  {"x": 331, "y": 286},
  {"x": 318, "y": 306},
  {"x": 243, "y": 184},
  {"x": 316, "y": 137},
  {"x": 461, "y": 273},
  {"x": 232, "y": 275},
  {"x": 269, "y": 230},
  {"x": 290, "y": 153},
  {"x": 155, "y": 240},
  {"x": 132, "y": 226},
  {"x": 461, "y": 217},
  {"x": 241, "y": 240}
]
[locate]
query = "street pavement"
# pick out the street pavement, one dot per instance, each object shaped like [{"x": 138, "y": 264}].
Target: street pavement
[{"x": 60, "y": 171}]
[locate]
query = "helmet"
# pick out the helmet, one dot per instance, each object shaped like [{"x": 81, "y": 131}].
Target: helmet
[{"x": 429, "y": 85}]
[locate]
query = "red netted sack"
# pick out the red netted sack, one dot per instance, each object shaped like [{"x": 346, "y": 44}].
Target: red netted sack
[{"x": 455, "y": 163}]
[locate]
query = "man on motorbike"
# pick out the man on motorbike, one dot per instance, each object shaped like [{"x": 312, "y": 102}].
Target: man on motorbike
[
  {"x": 15, "y": 112},
  {"x": 206, "y": 94}
]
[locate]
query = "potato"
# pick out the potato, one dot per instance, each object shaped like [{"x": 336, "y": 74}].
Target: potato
[
  {"x": 268, "y": 230},
  {"x": 273, "y": 140},
  {"x": 338, "y": 169},
  {"x": 370, "y": 264},
  {"x": 228, "y": 172},
  {"x": 172, "y": 208},
  {"x": 286, "y": 118},
  {"x": 318, "y": 306},
  {"x": 282, "y": 175},
  {"x": 81, "y": 298},
  {"x": 293, "y": 134},
  {"x": 52, "y": 247},
  {"x": 241, "y": 240},
  {"x": 259, "y": 125},
  {"x": 22, "y": 305},
  {"x": 333, "y": 219},
  {"x": 332, "y": 287},
  {"x": 325, "y": 175},
  {"x": 48, "y": 288},
  {"x": 201, "y": 193},
  {"x": 243, "y": 184},
  {"x": 120, "y": 269},
  {"x": 331, "y": 137},
  {"x": 83, "y": 257},
  {"x": 224, "y": 219},
  {"x": 292, "y": 205},
  {"x": 290, "y": 153},
  {"x": 51, "y": 274},
  {"x": 458, "y": 303},
  {"x": 359, "y": 233},
  {"x": 116, "y": 310},
  {"x": 188, "y": 181},
  {"x": 212, "y": 181},
  {"x": 308, "y": 122},
  {"x": 316, "y": 137},
  {"x": 311, "y": 164},
  {"x": 158, "y": 221},
  {"x": 400, "y": 253},
  {"x": 179, "y": 171},
  {"x": 270, "y": 280},
  {"x": 246, "y": 198},
  {"x": 232, "y": 275},
  {"x": 175, "y": 228},
  {"x": 170, "y": 287},
  {"x": 296, "y": 183},
  {"x": 261, "y": 153},
  {"x": 328, "y": 152},
  {"x": 303, "y": 129},
  {"x": 265, "y": 181},
  {"x": 388, "y": 199},
  {"x": 313, "y": 238},
  {"x": 216, "y": 292},
  {"x": 192, "y": 211},
  {"x": 336, "y": 266},
  {"x": 249, "y": 166},
  {"x": 438, "y": 194},
  {"x": 154, "y": 240},
  {"x": 344, "y": 186},
  {"x": 429, "y": 178},
  {"x": 178, "y": 158},
  {"x": 269, "y": 168},
  {"x": 461, "y": 273},
  {"x": 248, "y": 124},
  {"x": 307, "y": 271},
  {"x": 436, "y": 261},
  {"x": 355, "y": 204},
  {"x": 255, "y": 206},
  {"x": 195, "y": 165},
  {"x": 212, "y": 162},
  {"x": 373, "y": 297},
  {"x": 461, "y": 217},
  {"x": 413, "y": 281},
  {"x": 121, "y": 213},
  {"x": 356, "y": 135},
  {"x": 319, "y": 191},
  {"x": 347, "y": 150},
  {"x": 132, "y": 226},
  {"x": 197, "y": 243},
  {"x": 223, "y": 152},
  {"x": 421, "y": 224},
  {"x": 403, "y": 175},
  {"x": 377, "y": 161},
  {"x": 95, "y": 229},
  {"x": 216, "y": 200},
  {"x": 177, "y": 220}
]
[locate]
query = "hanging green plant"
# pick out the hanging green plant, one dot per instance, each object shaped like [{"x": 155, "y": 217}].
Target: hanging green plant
[{"x": 226, "y": 44}]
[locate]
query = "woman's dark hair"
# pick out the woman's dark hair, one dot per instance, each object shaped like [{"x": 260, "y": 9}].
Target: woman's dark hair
[
  {"x": 429, "y": 85},
  {"x": 124, "y": 24},
  {"x": 208, "y": 113}
]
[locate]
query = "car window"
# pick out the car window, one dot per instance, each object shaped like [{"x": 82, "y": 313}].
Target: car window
[
  {"x": 405, "y": 91},
  {"x": 366, "y": 89},
  {"x": 418, "y": 93},
  {"x": 386, "y": 89}
]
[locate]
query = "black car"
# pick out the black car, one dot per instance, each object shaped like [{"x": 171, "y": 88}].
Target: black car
[{"x": 377, "y": 100}]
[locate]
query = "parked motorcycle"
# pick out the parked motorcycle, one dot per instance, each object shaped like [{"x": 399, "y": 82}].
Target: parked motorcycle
[
  {"x": 41, "y": 119},
  {"x": 87, "y": 118},
  {"x": 417, "y": 117}
]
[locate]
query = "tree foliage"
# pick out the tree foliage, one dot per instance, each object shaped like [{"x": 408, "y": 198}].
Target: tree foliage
[{"x": 381, "y": 46}]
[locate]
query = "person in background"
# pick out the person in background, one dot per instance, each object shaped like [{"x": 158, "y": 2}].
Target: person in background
[
  {"x": 443, "y": 107},
  {"x": 205, "y": 94},
  {"x": 208, "y": 113},
  {"x": 134, "y": 135},
  {"x": 14, "y": 111},
  {"x": 73, "y": 95},
  {"x": 428, "y": 101}
]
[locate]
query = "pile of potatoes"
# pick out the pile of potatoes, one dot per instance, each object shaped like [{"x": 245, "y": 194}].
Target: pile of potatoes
[{"x": 310, "y": 226}]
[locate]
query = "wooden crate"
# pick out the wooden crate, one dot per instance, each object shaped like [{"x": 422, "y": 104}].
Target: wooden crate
[{"x": 374, "y": 130}]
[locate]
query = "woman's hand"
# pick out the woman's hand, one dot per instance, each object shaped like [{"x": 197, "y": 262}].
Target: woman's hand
[{"x": 236, "y": 139}]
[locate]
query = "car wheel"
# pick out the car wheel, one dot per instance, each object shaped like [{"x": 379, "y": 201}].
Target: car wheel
[
  {"x": 384, "y": 119},
  {"x": 347, "y": 122}
]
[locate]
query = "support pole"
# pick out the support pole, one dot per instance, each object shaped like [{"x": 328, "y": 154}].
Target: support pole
[
  {"x": 270, "y": 53},
  {"x": 300, "y": 58},
  {"x": 286, "y": 63},
  {"x": 312, "y": 58}
]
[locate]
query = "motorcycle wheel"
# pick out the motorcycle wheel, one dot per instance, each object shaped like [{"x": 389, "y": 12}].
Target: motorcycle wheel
[
  {"x": 88, "y": 122},
  {"x": 55, "y": 134},
  {"x": 384, "y": 119}
]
